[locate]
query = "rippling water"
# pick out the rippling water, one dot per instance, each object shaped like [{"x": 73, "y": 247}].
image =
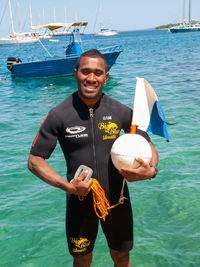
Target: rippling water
[{"x": 166, "y": 209}]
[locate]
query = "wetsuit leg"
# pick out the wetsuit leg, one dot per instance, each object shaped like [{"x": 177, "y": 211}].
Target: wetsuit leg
[
  {"x": 81, "y": 225},
  {"x": 118, "y": 227}
]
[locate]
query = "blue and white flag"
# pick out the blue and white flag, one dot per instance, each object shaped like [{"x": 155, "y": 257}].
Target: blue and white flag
[{"x": 147, "y": 112}]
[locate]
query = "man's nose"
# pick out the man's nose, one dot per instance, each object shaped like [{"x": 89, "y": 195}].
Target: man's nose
[{"x": 91, "y": 77}]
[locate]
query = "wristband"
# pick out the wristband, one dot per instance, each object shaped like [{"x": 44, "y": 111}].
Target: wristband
[{"x": 156, "y": 170}]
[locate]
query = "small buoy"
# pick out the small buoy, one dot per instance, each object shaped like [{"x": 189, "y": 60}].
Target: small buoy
[
  {"x": 127, "y": 147},
  {"x": 54, "y": 40},
  {"x": 0, "y": 80}
]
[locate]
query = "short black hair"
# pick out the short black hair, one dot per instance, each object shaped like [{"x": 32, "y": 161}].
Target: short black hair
[{"x": 94, "y": 53}]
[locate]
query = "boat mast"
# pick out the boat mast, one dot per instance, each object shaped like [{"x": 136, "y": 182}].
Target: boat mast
[
  {"x": 189, "y": 13},
  {"x": 18, "y": 14},
  {"x": 100, "y": 12},
  {"x": 97, "y": 15},
  {"x": 43, "y": 16},
  {"x": 65, "y": 12},
  {"x": 31, "y": 23},
  {"x": 11, "y": 18},
  {"x": 54, "y": 14},
  {"x": 183, "y": 12}
]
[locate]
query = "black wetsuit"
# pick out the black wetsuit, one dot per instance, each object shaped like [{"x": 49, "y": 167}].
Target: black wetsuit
[{"x": 86, "y": 137}]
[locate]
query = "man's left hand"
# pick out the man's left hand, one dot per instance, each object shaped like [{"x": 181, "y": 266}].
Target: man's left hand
[{"x": 143, "y": 172}]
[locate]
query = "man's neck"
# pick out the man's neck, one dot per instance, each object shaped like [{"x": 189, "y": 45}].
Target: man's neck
[{"x": 90, "y": 103}]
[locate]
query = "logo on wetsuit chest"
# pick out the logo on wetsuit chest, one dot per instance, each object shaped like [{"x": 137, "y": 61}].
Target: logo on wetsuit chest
[
  {"x": 76, "y": 132},
  {"x": 110, "y": 128}
]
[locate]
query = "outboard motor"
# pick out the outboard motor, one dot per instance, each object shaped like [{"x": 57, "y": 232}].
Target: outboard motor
[
  {"x": 75, "y": 47},
  {"x": 12, "y": 61}
]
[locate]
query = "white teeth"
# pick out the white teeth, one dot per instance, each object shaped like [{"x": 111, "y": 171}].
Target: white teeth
[{"x": 91, "y": 87}]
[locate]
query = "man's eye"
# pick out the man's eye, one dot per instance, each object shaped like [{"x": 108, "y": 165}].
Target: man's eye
[
  {"x": 98, "y": 73},
  {"x": 85, "y": 71}
]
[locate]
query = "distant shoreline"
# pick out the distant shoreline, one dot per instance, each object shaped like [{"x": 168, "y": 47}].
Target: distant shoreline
[
  {"x": 170, "y": 25},
  {"x": 166, "y": 27}
]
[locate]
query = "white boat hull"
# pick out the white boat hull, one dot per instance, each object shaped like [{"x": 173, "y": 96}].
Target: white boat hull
[
  {"x": 15, "y": 40},
  {"x": 106, "y": 33}
]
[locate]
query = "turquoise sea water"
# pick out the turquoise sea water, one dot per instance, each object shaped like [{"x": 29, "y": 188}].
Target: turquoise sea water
[{"x": 166, "y": 209}]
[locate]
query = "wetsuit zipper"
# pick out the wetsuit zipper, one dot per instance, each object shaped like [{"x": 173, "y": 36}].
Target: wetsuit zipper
[{"x": 93, "y": 146}]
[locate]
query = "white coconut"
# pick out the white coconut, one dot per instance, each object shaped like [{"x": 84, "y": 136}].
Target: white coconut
[{"x": 127, "y": 147}]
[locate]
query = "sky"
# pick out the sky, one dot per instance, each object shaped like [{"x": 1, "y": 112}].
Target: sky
[{"x": 122, "y": 15}]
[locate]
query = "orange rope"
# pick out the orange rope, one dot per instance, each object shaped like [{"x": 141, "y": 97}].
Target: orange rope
[{"x": 101, "y": 204}]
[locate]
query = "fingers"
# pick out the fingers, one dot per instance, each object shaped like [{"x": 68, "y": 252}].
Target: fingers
[
  {"x": 141, "y": 162},
  {"x": 89, "y": 182},
  {"x": 83, "y": 175},
  {"x": 82, "y": 187},
  {"x": 137, "y": 174}
]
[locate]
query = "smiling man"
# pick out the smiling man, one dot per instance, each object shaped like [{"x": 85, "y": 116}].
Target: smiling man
[
  {"x": 91, "y": 76},
  {"x": 86, "y": 124}
]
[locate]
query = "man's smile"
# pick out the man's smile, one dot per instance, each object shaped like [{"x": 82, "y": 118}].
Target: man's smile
[{"x": 90, "y": 87}]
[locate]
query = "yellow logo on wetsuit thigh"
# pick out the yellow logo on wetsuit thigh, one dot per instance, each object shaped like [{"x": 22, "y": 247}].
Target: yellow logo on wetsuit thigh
[
  {"x": 81, "y": 244},
  {"x": 110, "y": 128}
]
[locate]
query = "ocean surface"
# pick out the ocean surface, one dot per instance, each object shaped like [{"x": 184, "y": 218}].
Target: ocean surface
[{"x": 166, "y": 209}]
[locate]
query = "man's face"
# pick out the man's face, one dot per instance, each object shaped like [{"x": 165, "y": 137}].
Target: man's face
[{"x": 91, "y": 77}]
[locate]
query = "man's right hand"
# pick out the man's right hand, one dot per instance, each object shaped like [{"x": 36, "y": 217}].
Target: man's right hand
[{"x": 79, "y": 187}]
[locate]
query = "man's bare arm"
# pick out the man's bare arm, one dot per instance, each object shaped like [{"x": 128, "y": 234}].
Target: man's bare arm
[{"x": 39, "y": 167}]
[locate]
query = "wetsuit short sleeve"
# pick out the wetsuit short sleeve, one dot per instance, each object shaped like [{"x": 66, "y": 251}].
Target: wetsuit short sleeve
[{"x": 46, "y": 138}]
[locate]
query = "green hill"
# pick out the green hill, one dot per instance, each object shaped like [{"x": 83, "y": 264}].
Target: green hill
[{"x": 167, "y": 26}]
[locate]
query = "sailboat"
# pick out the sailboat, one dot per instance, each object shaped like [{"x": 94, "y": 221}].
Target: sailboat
[
  {"x": 186, "y": 27},
  {"x": 104, "y": 31},
  {"x": 18, "y": 38}
]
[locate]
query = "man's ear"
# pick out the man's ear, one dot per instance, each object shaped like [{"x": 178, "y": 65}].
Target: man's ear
[
  {"x": 75, "y": 74},
  {"x": 106, "y": 78}
]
